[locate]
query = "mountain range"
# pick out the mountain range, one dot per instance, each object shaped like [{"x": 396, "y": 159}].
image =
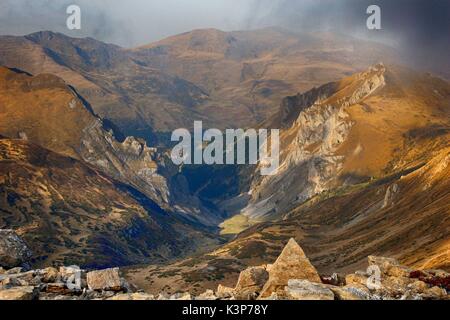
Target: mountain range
[{"x": 86, "y": 175}]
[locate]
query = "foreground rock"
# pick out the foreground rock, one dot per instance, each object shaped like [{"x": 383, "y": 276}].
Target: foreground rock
[
  {"x": 108, "y": 280},
  {"x": 69, "y": 283},
  {"x": 14, "y": 251},
  {"x": 388, "y": 280},
  {"x": 224, "y": 292},
  {"x": 250, "y": 283},
  {"x": 291, "y": 277},
  {"x": 291, "y": 264},
  {"x": 133, "y": 297},
  {"x": 306, "y": 290},
  {"x": 20, "y": 293}
]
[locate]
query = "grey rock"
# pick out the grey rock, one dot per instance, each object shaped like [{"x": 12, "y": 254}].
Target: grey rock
[
  {"x": 20, "y": 293},
  {"x": 14, "y": 251},
  {"x": 306, "y": 290}
]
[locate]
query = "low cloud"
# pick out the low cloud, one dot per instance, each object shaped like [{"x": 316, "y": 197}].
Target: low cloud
[{"x": 420, "y": 28}]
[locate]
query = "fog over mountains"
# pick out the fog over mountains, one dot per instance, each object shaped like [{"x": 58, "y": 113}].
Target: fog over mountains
[
  {"x": 87, "y": 177},
  {"x": 415, "y": 28}
]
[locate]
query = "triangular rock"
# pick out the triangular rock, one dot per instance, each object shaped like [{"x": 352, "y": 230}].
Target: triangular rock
[{"x": 291, "y": 264}]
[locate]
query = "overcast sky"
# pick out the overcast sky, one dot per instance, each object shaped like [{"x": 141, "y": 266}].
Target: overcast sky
[{"x": 410, "y": 24}]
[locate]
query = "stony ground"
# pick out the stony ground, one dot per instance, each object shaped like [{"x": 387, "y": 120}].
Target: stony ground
[{"x": 291, "y": 277}]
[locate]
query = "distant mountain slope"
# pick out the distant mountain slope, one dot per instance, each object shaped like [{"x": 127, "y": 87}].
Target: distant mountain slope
[
  {"x": 135, "y": 97},
  {"x": 70, "y": 213},
  {"x": 44, "y": 110},
  {"x": 247, "y": 73},
  {"x": 233, "y": 79}
]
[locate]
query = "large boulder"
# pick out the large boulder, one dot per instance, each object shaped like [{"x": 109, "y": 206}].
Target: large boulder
[
  {"x": 291, "y": 264},
  {"x": 108, "y": 280},
  {"x": 20, "y": 293},
  {"x": 306, "y": 290},
  {"x": 14, "y": 251},
  {"x": 250, "y": 283},
  {"x": 19, "y": 279},
  {"x": 58, "y": 288}
]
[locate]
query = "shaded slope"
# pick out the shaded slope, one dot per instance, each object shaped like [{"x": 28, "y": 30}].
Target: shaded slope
[
  {"x": 71, "y": 213},
  {"x": 44, "y": 110}
]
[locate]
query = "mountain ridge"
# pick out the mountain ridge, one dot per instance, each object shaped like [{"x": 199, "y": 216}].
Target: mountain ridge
[{"x": 233, "y": 89}]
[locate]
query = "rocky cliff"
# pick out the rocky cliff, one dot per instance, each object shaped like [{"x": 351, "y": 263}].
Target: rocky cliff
[
  {"x": 46, "y": 111},
  {"x": 326, "y": 137}
]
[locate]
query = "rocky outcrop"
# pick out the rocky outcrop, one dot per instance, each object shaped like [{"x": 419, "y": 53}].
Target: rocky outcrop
[
  {"x": 19, "y": 293},
  {"x": 386, "y": 279},
  {"x": 317, "y": 123},
  {"x": 130, "y": 161},
  {"x": 13, "y": 250},
  {"x": 67, "y": 283},
  {"x": 108, "y": 280},
  {"x": 390, "y": 195},
  {"x": 224, "y": 292},
  {"x": 250, "y": 283},
  {"x": 291, "y": 264},
  {"x": 392, "y": 282},
  {"x": 292, "y": 277}
]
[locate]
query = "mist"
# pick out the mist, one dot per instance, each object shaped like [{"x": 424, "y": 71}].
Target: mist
[{"x": 419, "y": 28}]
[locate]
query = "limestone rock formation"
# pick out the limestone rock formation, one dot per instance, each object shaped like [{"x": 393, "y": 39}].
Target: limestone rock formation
[
  {"x": 108, "y": 279},
  {"x": 19, "y": 293},
  {"x": 350, "y": 292},
  {"x": 138, "y": 296},
  {"x": 51, "y": 284},
  {"x": 250, "y": 283},
  {"x": 306, "y": 290},
  {"x": 291, "y": 264},
  {"x": 317, "y": 123}
]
